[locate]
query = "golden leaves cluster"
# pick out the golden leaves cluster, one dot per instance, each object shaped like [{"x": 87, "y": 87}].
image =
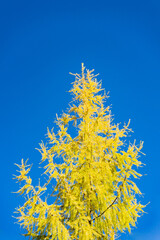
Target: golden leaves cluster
[{"x": 94, "y": 196}]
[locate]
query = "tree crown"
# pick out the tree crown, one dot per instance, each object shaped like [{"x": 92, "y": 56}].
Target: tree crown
[{"x": 94, "y": 196}]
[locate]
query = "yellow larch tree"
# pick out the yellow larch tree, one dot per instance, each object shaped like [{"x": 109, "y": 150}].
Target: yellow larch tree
[{"x": 94, "y": 195}]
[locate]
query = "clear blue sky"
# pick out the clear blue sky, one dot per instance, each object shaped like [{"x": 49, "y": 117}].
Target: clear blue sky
[{"x": 40, "y": 43}]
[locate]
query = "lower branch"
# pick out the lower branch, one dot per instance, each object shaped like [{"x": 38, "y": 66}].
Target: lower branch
[{"x": 110, "y": 204}]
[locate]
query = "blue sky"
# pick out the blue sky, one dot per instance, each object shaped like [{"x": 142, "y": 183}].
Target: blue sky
[{"x": 40, "y": 43}]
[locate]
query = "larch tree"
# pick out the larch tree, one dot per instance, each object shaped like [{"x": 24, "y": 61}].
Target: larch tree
[{"x": 91, "y": 188}]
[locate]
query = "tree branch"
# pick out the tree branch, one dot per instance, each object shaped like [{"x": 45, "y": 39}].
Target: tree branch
[
  {"x": 104, "y": 210},
  {"x": 109, "y": 205}
]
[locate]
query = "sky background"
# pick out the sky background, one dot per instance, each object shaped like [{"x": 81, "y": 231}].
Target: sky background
[{"x": 40, "y": 43}]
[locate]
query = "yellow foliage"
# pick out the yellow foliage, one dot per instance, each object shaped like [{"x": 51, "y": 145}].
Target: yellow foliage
[{"x": 94, "y": 196}]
